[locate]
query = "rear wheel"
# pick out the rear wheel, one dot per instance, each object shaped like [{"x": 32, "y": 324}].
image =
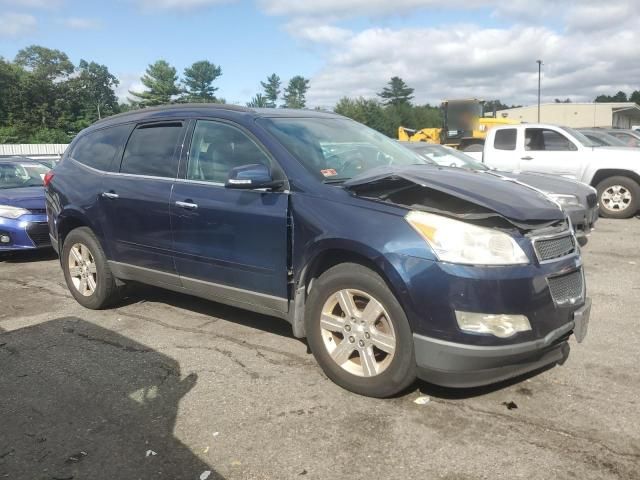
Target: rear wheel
[
  {"x": 619, "y": 197},
  {"x": 86, "y": 271},
  {"x": 358, "y": 332}
]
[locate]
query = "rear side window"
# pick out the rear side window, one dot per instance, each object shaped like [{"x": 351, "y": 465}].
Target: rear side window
[
  {"x": 151, "y": 150},
  {"x": 505, "y": 139},
  {"x": 98, "y": 149}
]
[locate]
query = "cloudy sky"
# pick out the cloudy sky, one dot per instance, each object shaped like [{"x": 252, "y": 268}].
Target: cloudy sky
[{"x": 452, "y": 49}]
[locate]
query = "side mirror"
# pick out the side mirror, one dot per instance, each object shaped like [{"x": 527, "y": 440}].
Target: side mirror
[{"x": 251, "y": 177}]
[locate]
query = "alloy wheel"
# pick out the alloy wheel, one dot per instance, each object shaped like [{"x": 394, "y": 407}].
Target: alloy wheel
[
  {"x": 357, "y": 333},
  {"x": 82, "y": 269}
]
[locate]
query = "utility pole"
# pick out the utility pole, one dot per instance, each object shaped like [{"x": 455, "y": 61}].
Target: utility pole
[{"x": 539, "y": 62}]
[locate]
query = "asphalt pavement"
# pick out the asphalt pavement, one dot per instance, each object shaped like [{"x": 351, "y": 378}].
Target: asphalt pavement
[{"x": 170, "y": 386}]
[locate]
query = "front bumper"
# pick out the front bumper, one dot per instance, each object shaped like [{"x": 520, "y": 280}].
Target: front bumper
[
  {"x": 26, "y": 233},
  {"x": 583, "y": 219},
  {"x": 461, "y": 366}
]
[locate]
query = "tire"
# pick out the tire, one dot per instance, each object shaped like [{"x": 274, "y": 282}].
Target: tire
[
  {"x": 613, "y": 192},
  {"x": 394, "y": 367},
  {"x": 81, "y": 245}
]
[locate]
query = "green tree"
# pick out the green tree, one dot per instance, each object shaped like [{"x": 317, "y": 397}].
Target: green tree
[
  {"x": 161, "y": 81},
  {"x": 94, "y": 85},
  {"x": 44, "y": 62},
  {"x": 635, "y": 97},
  {"x": 258, "y": 101},
  {"x": 295, "y": 92},
  {"x": 198, "y": 80},
  {"x": 618, "y": 97},
  {"x": 272, "y": 90},
  {"x": 396, "y": 93}
]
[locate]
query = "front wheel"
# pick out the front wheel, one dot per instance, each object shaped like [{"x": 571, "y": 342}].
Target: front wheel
[
  {"x": 358, "y": 332},
  {"x": 619, "y": 197}
]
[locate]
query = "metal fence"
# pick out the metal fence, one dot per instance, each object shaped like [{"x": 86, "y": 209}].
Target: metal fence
[{"x": 33, "y": 150}]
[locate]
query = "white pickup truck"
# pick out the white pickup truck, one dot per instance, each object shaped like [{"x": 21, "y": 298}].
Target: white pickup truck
[{"x": 613, "y": 171}]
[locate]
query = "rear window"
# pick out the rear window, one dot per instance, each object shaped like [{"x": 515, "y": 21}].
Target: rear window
[
  {"x": 98, "y": 149},
  {"x": 505, "y": 139},
  {"x": 151, "y": 150}
]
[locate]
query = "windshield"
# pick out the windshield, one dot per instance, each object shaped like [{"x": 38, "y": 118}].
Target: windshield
[
  {"x": 448, "y": 157},
  {"x": 604, "y": 139},
  {"x": 337, "y": 149},
  {"x": 586, "y": 142},
  {"x": 17, "y": 175}
]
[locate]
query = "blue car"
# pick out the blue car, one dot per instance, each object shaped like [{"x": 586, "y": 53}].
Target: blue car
[
  {"x": 390, "y": 267},
  {"x": 23, "y": 218}
]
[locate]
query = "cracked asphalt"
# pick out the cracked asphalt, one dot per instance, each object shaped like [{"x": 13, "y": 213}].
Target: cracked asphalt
[{"x": 169, "y": 386}]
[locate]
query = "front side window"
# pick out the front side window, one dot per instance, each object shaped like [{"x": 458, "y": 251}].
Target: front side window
[
  {"x": 505, "y": 139},
  {"x": 217, "y": 148},
  {"x": 98, "y": 149},
  {"x": 152, "y": 150},
  {"x": 17, "y": 175},
  {"x": 543, "y": 139}
]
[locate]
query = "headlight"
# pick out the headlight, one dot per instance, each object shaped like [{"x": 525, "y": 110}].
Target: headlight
[
  {"x": 460, "y": 242},
  {"x": 565, "y": 200},
  {"x": 7, "y": 211},
  {"x": 502, "y": 326}
]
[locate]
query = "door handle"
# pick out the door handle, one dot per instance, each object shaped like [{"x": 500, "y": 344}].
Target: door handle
[
  {"x": 187, "y": 205},
  {"x": 111, "y": 195},
  {"x": 526, "y": 158}
]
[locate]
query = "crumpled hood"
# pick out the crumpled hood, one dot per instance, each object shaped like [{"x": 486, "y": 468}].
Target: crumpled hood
[
  {"x": 31, "y": 198},
  {"x": 491, "y": 192}
]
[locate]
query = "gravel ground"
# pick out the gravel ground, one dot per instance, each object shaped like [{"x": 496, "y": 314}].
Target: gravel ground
[{"x": 169, "y": 386}]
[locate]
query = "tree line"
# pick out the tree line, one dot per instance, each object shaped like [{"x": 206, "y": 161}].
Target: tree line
[{"x": 45, "y": 98}]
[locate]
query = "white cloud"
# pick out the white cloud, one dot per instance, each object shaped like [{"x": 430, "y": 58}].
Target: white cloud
[
  {"x": 79, "y": 23},
  {"x": 588, "y": 47},
  {"x": 182, "y": 5},
  {"x": 30, "y": 4},
  {"x": 128, "y": 82},
  {"x": 16, "y": 24}
]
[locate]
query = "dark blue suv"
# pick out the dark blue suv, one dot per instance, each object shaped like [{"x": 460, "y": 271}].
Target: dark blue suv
[{"x": 391, "y": 268}]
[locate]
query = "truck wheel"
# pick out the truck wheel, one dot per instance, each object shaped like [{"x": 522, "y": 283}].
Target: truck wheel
[
  {"x": 86, "y": 270},
  {"x": 359, "y": 333},
  {"x": 619, "y": 197}
]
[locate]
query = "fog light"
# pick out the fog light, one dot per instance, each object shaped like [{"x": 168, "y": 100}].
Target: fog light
[
  {"x": 502, "y": 326},
  {"x": 5, "y": 238}
]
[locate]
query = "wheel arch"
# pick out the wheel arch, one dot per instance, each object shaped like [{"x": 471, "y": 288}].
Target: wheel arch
[
  {"x": 70, "y": 219},
  {"x": 331, "y": 255},
  {"x": 605, "y": 173}
]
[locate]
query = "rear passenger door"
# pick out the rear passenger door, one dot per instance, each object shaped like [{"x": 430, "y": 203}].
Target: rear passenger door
[
  {"x": 136, "y": 202},
  {"x": 549, "y": 151},
  {"x": 230, "y": 245}
]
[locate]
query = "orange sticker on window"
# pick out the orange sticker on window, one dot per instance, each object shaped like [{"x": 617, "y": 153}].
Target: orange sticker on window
[{"x": 329, "y": 172}]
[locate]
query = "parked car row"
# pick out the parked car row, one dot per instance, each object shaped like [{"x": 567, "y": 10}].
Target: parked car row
[{"x": 392, "y": 267}]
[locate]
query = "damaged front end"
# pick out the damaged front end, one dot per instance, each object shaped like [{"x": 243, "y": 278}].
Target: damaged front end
[{"x": 465, "y": 195}]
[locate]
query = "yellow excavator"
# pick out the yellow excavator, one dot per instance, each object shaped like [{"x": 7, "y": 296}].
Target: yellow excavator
[{"x": 464, "y": 126}]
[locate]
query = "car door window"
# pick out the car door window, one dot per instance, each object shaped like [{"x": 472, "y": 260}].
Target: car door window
[
  {"x": 151, "y": 150},
  {"x": 216, "y": 148},
  {"x": 98, "y": 149},
  {"x": 546, "y": 140}
]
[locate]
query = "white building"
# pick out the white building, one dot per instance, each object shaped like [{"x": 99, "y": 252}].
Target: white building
[
  {"x": 33, "y": 150},
  {"x": 578, "y": 115}
]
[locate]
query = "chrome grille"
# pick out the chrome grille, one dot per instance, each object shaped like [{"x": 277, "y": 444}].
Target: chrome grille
[
  {"x": 550, "y": 248},
  {"x": 567, "y": 288}
]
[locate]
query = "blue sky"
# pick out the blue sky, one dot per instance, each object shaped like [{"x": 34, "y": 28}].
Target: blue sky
[{"x": 348, "y": 47}]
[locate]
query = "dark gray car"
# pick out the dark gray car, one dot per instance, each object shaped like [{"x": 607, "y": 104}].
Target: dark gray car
[{"x": 576, "y": 198}]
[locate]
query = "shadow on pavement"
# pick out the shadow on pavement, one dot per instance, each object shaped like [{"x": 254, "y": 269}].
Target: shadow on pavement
[
  {"x": 28, "y": 256},
  {"x": 78, "y": 401}
]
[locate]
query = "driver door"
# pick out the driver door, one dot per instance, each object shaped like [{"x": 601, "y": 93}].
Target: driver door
[{"x": 229, "y": 244}]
